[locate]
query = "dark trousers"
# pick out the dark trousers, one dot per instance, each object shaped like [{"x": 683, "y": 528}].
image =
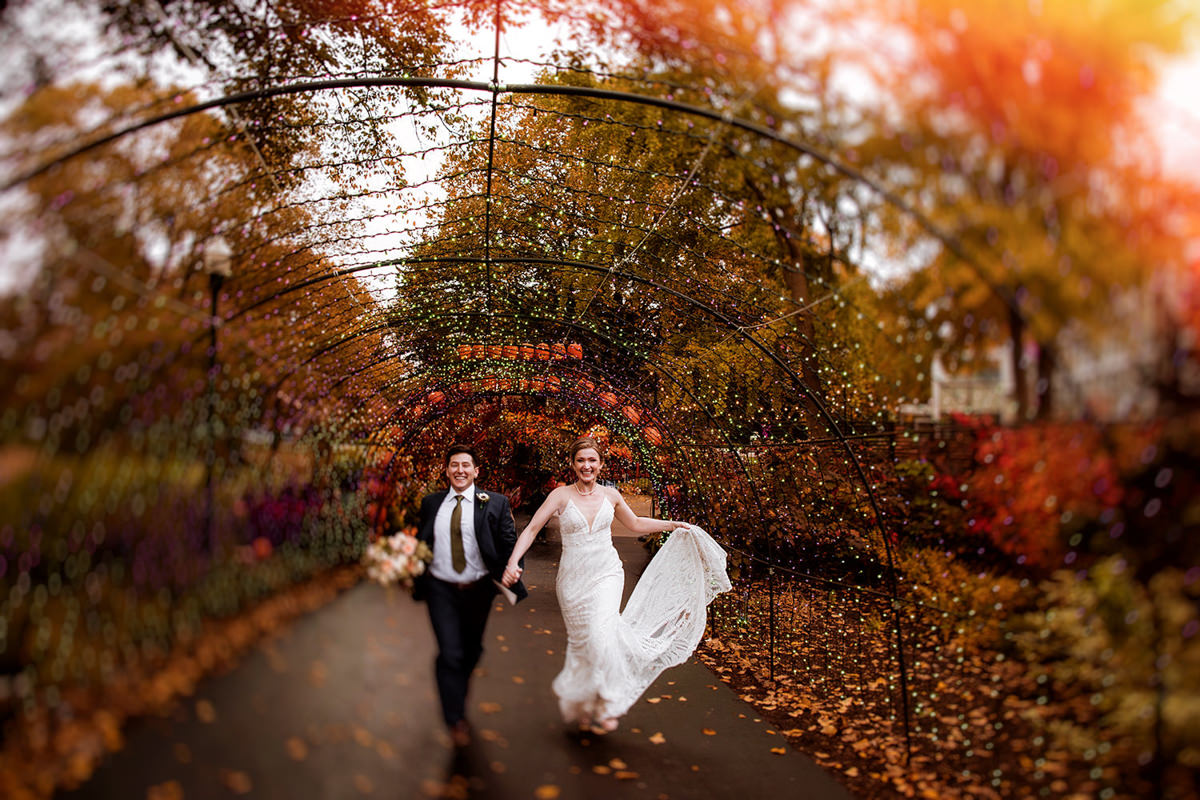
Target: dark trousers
[{"x": 458, "y": 616}]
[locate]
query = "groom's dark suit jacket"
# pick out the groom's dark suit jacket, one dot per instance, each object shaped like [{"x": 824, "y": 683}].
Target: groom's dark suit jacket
[{"x": 494, "y": 530}]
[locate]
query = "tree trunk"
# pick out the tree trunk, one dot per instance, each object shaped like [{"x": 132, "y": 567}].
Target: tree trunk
[
  {"x": 1046, "y": 365},
  {"x": 1016, "y": 330}
]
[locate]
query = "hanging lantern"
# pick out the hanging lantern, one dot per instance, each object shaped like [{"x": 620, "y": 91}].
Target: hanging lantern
[
  {"x": 631, "y": 414},
  {"x": 608, "y": 399},
  {"x": 526, "y": 385},
  {"x": 464, "y": 351},
  {"x": 512, "y": 352},
  {"x": 553, "y": 383},
  {"x": 652, "y": 436},
  {"x": 538, "y": 383},
  {"x": 436, "y": 398},
  {"x": 558, "y": 350},
  {"x": 528, "y": 352},
  {"x": 479, "y": 351},
  {"x": 543, "y": 352},
  {"x": 494, "y": 351},
  {"x": 575, "y": 350},
  {"x": 673, "y": 491}
]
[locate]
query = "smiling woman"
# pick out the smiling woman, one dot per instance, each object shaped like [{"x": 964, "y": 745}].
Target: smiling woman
[{"x": 612, "y": 656}]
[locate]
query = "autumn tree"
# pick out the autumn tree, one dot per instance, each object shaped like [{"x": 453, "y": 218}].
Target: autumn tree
[{"x": 1017, "y": 129}]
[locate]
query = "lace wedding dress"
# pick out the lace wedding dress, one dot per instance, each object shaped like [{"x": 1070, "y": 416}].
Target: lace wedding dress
[{"x": 613, "y": 656}]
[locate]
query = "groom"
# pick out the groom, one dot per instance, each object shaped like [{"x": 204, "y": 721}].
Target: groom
[{"x": 471, "y": 534}]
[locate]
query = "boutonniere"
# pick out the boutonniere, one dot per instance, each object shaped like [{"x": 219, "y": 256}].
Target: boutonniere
[{"x": 482, "y": 497}]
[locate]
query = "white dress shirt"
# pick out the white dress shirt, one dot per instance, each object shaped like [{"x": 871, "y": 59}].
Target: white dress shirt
[{"x": 442, "y": 567}]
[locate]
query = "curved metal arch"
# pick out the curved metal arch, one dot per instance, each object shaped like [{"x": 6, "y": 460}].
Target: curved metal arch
[
  {"x": 494, "y": 88},
  {"x": 679, "y": 449},
  {"x": 685, "y": 108},
  {"x": 688, "y": 300}
]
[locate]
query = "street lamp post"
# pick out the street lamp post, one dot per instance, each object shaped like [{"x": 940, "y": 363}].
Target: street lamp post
[{"x": 218, "y": 264}]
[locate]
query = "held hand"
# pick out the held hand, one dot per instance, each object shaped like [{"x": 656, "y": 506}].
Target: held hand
[{"x": 512, "y": 574}]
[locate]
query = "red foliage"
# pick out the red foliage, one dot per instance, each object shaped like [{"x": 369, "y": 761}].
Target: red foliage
[{"x": 1028, "y": 484}]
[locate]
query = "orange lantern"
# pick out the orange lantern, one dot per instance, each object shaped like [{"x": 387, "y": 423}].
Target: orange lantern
[
  {"x": 512, "y": 351},
  {"x": 652, "y": 436},
  {"x": 673, "y": 491},
  {"x": 526, "y": 385},
  {"x": 479, "y": 351},
  {"x": 436, "y": 398},
  {"x": 543, "y": 352},
  {"x": 553, "y": 383},
  {"x": 538, "y": 384},
  {"x": 262, "y": 547},
  {"x": 465, "y": 387},
  {"x": 558, "y": 350},
  {"x": 417, "y": 411},
  {"x": 631, "y": 414},
  {"x": 586, "y": 387},
  {"x": 575, "y": 350},
  {"x": 464, "y": 351},
  {"x": 494, "y": 351},
  {"x": 608, "y": 399}
]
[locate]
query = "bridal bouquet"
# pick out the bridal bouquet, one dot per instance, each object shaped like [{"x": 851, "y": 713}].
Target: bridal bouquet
[{"x": 398, "y": 558}]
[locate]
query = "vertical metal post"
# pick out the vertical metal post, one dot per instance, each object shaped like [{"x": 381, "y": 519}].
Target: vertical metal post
[{"x": 210, "y": 458}]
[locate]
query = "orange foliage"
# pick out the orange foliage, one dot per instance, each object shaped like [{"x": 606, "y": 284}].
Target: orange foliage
[{"x": 1054, "y": 78}]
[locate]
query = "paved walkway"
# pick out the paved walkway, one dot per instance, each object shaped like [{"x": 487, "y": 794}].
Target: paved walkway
[{"x": 341, "y": 705}]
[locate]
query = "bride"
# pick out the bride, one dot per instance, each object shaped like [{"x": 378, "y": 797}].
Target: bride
[{"x": 613, "y": 656}]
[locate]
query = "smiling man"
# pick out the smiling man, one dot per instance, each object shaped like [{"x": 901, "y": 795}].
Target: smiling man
[{"x": 471, "y": 534}]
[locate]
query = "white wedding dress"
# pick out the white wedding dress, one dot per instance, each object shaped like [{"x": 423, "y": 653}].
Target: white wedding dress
[{"x": 613, "y": 656}]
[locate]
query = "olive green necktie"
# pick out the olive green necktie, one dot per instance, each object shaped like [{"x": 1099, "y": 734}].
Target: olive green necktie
[{"x": 458, "y": 559}]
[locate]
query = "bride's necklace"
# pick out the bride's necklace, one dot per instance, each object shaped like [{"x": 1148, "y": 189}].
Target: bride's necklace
[{"x": 583, "y": 493}]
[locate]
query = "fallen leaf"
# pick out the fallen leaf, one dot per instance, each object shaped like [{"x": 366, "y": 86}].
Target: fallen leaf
[
  {"x": 236, "y": 781},
  {"x": 498, "y": 767},
  {"x": 779, "y": 750},
  {"x": 617, "y": 763},
  {"x": 658, "y": 738},
  {"x": 205, "y": 712},
  {"x": 363, "y": 736},
  {"x": 518, "y": 679},
  {"x": 547, "y": 791},
  {"x": 709, "y": 732},
  {"x": 297, "y": 749},
  {"x": 317, "y": 674},
  {"x": 171, "y": 790},
  {"x": 183, "y": 753},
  {"x": 602, "y": 769},
  {"x": 653, "y": 700},
  {"x": 625, "y": 775},
  {"x": 489, "y": 708},
  {"x": 363, "y": 784}
]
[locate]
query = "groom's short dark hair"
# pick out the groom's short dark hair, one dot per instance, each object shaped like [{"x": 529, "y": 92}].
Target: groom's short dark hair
[{"x": 455, "y": 449}]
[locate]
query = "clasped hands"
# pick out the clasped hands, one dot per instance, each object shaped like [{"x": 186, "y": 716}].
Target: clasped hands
[{"x": 512, "y": 574}]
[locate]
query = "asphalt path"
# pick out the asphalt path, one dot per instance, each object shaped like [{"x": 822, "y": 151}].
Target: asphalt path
[{"x": 341, "y": 704}]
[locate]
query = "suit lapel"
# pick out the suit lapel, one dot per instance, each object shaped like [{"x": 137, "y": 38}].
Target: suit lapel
[{"x": 431, "y": 515}]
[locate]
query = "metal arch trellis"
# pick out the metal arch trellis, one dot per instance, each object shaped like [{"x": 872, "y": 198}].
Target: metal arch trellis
[{"x": 619, "y": 96}]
